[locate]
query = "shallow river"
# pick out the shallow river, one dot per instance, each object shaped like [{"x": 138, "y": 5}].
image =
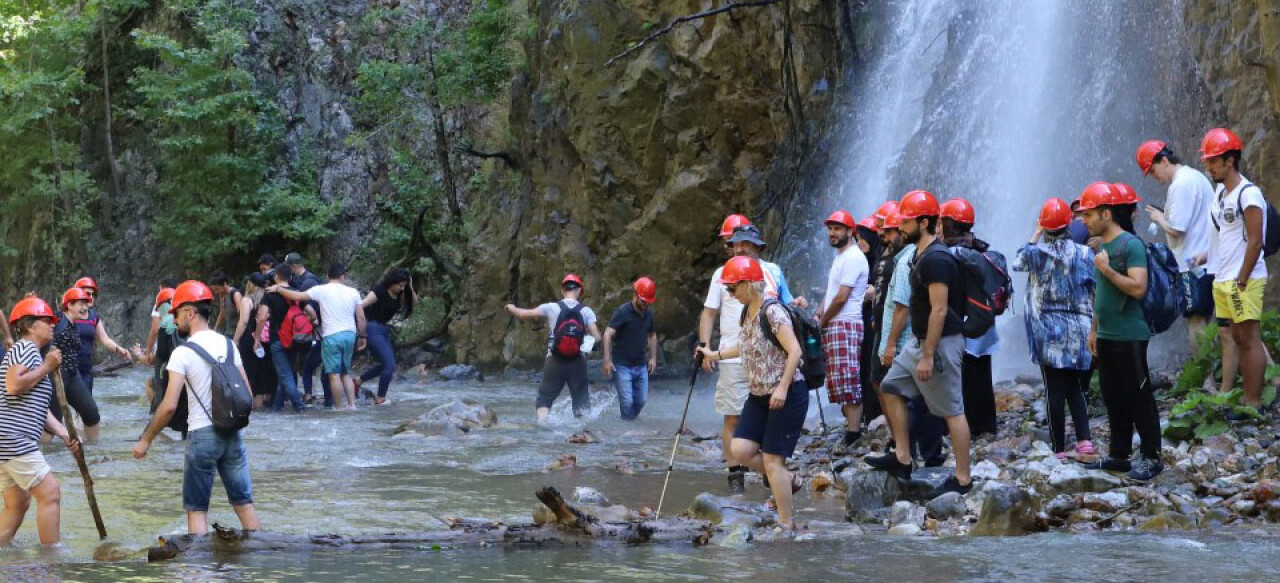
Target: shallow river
[{"x": 343, "y": 472}]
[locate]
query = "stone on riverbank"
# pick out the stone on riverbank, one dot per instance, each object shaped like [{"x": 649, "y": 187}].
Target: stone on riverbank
[
  {"x": 728, "y": 512},
  {"x": 1006, "y": 511},
  {"x": 453, "y": 419},
  {"x": 460, "y": 372},
  {"x": 947, "y": 506}
]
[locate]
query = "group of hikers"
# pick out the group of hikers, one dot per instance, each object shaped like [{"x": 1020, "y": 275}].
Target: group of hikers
[{"x": 907, "y": 316}]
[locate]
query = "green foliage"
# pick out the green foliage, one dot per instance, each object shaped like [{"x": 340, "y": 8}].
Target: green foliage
[
  {"x": 1202, "y": 364},
  {"x": 1201, "y": 415}
]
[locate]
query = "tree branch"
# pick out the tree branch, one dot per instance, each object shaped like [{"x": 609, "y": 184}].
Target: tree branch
[{"x": 700, "y": 15}]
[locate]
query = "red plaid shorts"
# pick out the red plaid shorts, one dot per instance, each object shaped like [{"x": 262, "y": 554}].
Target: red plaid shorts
[{"x": 842, "y": 341}]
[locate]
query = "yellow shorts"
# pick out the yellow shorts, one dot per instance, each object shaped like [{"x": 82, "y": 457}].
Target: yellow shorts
[{"x": 1239, "y": 306}]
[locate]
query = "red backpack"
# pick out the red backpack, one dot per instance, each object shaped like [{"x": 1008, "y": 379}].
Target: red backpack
[
  {"x": 296, "y": 327},
  {"x": 570, "y": 330}
]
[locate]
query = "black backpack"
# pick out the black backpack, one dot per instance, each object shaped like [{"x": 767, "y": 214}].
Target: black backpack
[
  {"x": 231, "y": 400},
  {"x": 1270, "y": 223},
  {"x": 977, "y": 272},
  {"x": 570, "y": 330},
  {"x": 813, "y": 362}
]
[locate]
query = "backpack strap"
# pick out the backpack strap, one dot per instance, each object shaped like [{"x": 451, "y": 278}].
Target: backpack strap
[
  {"x": 565, "y": 308},
  {"x": 764, "y": 323},
  {"x": 204, "y": 354}
]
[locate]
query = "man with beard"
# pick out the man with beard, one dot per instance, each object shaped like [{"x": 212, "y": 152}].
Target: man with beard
[
  {"x": 841, "y": 322},
  {"x": 928, "y": 366},
  {"x": 979, "y": 393}
]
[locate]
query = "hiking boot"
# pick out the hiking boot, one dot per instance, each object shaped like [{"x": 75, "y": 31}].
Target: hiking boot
[
  {"x": 889, "y": 463},
  {"x": 1109, "y": 464},
  {"x": 1145, "y": 469},
  {"x": 850, "y": 437},
  {"x": 737, "y": 480},
  {"x": 951, "y": 484}
]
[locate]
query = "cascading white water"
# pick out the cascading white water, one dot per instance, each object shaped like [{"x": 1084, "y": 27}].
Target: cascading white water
[{"x": 1007, "y": 104}]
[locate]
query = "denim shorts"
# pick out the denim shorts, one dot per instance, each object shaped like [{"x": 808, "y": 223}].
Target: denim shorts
[
  {"x": 207, "y": 453},
  {"x": 336, "y": 352}
]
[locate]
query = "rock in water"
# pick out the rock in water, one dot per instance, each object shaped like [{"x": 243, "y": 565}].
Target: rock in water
[
  {"x": 868, "y": 491},
  {"x": 905, "y": 530},
  {"x": 947, "y": 506},
  {"x": 1006, "y": 511},
  {"x": 565, "y": 462},
  {"x": 583, "y": 437},
  {"x": 729, "y": 512},
  {"x": 452, "y": 419},
  {"x": 903, "y": 512},
  {"x": 459, "y": 372},
  {"x": 735, "y": 537},
  {"x": 585, "y": 495}
]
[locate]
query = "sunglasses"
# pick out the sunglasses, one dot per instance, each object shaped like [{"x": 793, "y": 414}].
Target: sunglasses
[{"x": 731, "y": 287}]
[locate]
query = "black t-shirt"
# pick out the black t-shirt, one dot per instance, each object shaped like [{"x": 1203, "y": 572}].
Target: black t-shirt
[
  {"x": 278, "y": 308},
  {"x": 632, "y": 336},
  {"x": 936, "y": 265},
  {"x": 384, "y": 308}
]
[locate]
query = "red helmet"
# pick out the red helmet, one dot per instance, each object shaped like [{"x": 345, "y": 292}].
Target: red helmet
[
  {"x": 34, "y": 307},
  {"x": 1055, "y": 214},
  {"x": 1127, "y": 194},
  {"x": 1099, "y": 194},
  {"x": 572, "y": 278},
  {"x": 646, "y": 289},
  {"x": 87, "y": 283},
  {"x": 190, "y": 292},
  {"x": 870, "y": 223},
  {"x": 958, "y": 210},
  {"x": 842, "y": 218},
  {"x": 918, "y": 203},
  {"x": 741, "y": 268},
  {"x": 732, "y": 222},
  {"x": 893, "y": 221},
  {"x": 886, "y": 209},
  {"x": 165, "y": 295},
  {"x": 1147, "y": 154},
  {"x": 75, "y": 294},
  {"x": 1219, "y": 141}
]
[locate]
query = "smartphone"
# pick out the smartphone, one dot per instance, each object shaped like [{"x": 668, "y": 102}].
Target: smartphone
[{"x": 1152, "y": 206}]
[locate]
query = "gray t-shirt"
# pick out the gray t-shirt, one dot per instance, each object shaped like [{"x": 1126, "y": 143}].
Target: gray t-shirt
[{"x": 552, "y": 312}]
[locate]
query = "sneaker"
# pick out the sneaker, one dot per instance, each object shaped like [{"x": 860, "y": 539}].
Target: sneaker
[
  {"x": 1145, "y": 469},
  {"x": 889, "y": 463},
  {"x": 737, "y": 480},
  {"x": 1109, "y": 464},
  {"x": 851, "y": 436},
  {"x": 1085, "y": 448},
  {"x": 951, "y": 485}
]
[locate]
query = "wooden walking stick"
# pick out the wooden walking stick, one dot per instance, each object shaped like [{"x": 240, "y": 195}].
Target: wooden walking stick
[{"x": 84, "y": 466}]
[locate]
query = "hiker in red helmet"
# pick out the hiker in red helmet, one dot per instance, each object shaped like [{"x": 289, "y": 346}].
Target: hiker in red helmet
[
  {"x": 1239, "y": 219},
  {"x": 958, "y": 218},
  {"x": 841, "y": 320},
  {"x": 629, "y": 333},
  {"x": 571, "y": 335},
  {"x": 93, "y": 329}
]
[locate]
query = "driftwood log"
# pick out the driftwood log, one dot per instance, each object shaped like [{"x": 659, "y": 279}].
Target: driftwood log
[{"x": 572, "y": 527}]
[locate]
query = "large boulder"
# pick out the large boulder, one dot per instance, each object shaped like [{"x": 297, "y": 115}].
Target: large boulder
[
  {"x": 869, "y": 491},
  {"x": 452, "y": 419},
  {"x": 947, "y": 506},
  {"x": 460, "y": 372},
  {"x": 1006, "y": 511}
]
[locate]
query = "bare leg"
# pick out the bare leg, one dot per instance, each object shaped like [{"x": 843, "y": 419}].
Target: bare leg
[
  {"x": 349, "y": 386},
  {"x": 542, "y": 414},
  {"x": 726, "y": 439},
  {"x": 780, "y": 484},
  {"x": 1230, "y": 359},
  {"x": 852, "y": 415},
  {"x": 16, "y": 502},
  {"x": 1195, "y": 327},
  {"x": 92, "y": 433},
  {"x": 1253, "y": 360},
  {"x": 959, "y": 428},
  {"x": 335, "y": 387},
  {"x": 747, "y": 453},
  {"x": 197, "y": 522},
  {"x": 248, "y": 517},
  {"x": 48, "y": 495},
  {"x": 895, "y": 412}
]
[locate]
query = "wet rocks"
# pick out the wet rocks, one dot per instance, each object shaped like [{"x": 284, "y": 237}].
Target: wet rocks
[
  {"x": 820, "y": 482},
  {"x": 729, "y": 512},
  {"x": 906, "y": 513},
  {"x": 1006, "y": 511},
  {"x": 460, "y": 372},
  {"x": 586, "y": 495},
  {"x": 583, "y": 437},
  {"x": 452, "y": 419},
  {"x": 1168, "y": 521},
  {"x": 564, "y": 462},
  {"x": 947, "y": 506},
  {"x": 1071, "y": 478},
  {"x": 868, "y": 491}
]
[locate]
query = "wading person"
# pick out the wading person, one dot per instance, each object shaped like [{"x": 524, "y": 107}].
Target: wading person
[
  {"x": 209, "y": 452},
  {"x": 1058, "y": 313},
  {"x": 571, "y": 323},
  {"x": 629, "y": 334},
  {"x": 262, "y": 374},
  {"x": 841, "y": 322},
  {"x": 958, "y": 218},
  {"x": 773, "y": 416},
  {"x": 229, "y": 300},
  {"x": 1238, "y": 215},
  {"x": 342, "y": 327},
  {"x": 1185, "y": 222},
  {"x": 75, "y": 304},
  {"x": 392, "y": 295},
  {"x": 1118, "y": 337},
  {"x": 930, "y": 364},
  {"x": 24, "y": 417},
  {"x": 153, "y": 335},
  {"x": 93, "y": 329},
  {"x": 301, "y": 279},
  {"x": 271, "y": 316}
]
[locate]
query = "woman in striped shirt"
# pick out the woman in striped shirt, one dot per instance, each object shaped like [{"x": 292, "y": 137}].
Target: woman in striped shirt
[{"x": 25, "y": 392}]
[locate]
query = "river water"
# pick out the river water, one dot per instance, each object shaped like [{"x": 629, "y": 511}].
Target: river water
[{"x": 328, "y": 472}]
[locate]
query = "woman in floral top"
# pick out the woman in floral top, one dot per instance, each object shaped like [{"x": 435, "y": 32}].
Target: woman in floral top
[
  {"x": 1059, "y": 308},
  {"x": 775, "y": 410}
]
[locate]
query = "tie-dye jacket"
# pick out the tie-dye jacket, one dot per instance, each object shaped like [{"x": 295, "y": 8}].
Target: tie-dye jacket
[{"x": 1059, "y": 302}]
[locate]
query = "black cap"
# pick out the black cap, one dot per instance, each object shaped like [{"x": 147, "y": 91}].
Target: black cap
[
  {"x": 258, "y": 279},
  {"x": 749, "y": 234},
  {"x": 292, "y": 259}
]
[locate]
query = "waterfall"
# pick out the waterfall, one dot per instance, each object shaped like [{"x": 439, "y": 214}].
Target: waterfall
[{"x": 1007, "y": 104}]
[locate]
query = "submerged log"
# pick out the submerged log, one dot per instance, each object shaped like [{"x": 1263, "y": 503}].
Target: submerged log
[{"x": 572, "y": 527}]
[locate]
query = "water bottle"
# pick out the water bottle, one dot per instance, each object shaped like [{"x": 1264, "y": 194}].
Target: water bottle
[
  {"x": 811, "y": 344},
  {"x": 259, "y": 352}
]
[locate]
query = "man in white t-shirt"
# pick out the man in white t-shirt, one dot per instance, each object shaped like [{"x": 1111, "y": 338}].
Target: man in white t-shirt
[
  {"x": 1238, "y": 214},
  {"x": 342, "y": 327},
  {"x": 841, "y": 321},
  {"x": 208, "y": 452},
  {"x": 1185, "y": 222},
  {"x": 567, "y": 352}
]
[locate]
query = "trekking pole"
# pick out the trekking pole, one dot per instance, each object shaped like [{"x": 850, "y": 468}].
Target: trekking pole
[
  {"x": 697, "y": 363},
  {"x": 79, "y": 455}
]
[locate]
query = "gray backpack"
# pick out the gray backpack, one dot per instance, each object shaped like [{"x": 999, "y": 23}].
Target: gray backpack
[{"x": 229, "y": 396}]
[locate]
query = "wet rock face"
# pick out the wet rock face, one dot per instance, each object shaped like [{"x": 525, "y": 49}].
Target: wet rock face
[
  {"x": 628, "y": 170},
  {"x": 452, "y": 419}
]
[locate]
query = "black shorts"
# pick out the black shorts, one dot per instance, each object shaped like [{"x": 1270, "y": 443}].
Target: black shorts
[{"x": 777, "y": 432}]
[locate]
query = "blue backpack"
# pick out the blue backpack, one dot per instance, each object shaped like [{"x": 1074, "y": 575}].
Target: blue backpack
[{"x": 1164, "y": 301}]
